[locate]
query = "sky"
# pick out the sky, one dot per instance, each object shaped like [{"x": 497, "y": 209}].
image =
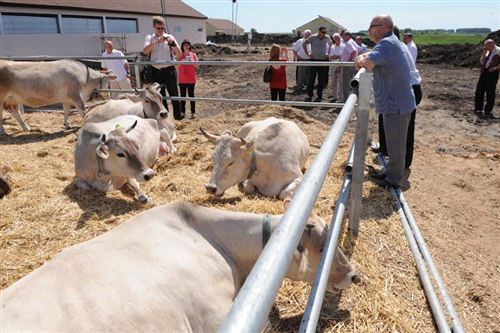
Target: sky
[{"x": 286, "y": 15}]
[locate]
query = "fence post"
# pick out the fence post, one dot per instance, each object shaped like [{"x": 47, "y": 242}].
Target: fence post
[
  {"x": 360, "y": 143},
  {"x": 137, "y": 76}
]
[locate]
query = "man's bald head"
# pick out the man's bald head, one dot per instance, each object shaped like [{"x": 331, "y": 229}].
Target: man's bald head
[
  {"x": 108, "y": 46},
  {"x": 489, "y": 44},
  {"x": 380, "y": 26}
]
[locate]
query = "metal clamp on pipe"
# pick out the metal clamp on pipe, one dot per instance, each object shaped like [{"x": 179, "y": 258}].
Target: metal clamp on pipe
[{"x": 354, "y": 83}]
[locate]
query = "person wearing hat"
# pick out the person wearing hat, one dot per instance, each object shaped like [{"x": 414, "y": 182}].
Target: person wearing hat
[{"x": 187, "y": 76}]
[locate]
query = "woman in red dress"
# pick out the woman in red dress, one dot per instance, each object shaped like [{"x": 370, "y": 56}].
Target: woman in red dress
[{"x": 278, "y": 83}]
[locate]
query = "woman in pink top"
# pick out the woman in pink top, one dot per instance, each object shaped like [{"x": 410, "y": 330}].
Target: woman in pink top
[{"x": 187, "y": 76}]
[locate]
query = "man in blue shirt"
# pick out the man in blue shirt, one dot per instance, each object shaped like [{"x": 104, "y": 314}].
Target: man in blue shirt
[{"x": 394, "y": 97}]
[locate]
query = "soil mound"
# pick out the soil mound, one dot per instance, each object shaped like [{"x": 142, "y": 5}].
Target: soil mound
[{"x": 464, "y": 55}]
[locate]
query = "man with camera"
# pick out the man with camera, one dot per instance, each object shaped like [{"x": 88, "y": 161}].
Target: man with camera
[{"x": 161, "y": 46}]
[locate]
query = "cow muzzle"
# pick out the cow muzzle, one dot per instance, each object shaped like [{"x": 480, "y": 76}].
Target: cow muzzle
[
  {"x": 212, "y": 189},
  {"x": 164, "y": 114},
  {"x": 145, "y": 175}
]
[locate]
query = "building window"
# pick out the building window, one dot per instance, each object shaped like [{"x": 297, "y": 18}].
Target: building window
[
  {"x": 177, "y": 28},
  {"x": 121, "y": 25},
  {"x": 200, "y": 29},
  {"x": 29, "y": 24},
  {"x": 81, "y": 24}
]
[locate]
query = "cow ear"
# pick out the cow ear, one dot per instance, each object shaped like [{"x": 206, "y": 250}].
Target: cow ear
[
  {"x": 247, "y": 145},
  {"x": 212, "y": 138},
  {"x": 111, "y": 77},
  {"x": 134, "y": 98},
  {"x": 131, "y": 127},
  {"x": 102, "y": 151}
]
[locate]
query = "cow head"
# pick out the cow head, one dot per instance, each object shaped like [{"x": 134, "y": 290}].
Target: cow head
[
  {"x": 121, "y": 155},
  {"x": 96, "y": 80},
  {"x": 308, "y": 254},
  {"x": 231, "y": 160},
  {"x": 151, "y": 100}
]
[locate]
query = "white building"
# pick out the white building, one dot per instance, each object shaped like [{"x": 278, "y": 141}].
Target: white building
[{"x": 79, "y": 27}]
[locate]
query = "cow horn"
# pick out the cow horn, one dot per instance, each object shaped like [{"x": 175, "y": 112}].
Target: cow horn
[
  {"x": 138, "y": 91},
  {"x": 212, "y": 138},
  {"x": 243, "y": 142},
  {"x": 132, "y": 127}
]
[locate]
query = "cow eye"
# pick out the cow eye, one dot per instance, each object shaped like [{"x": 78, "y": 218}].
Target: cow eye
[
  {"x": 122, "y": 155},
  {"x": 147, "y": 101},
  {"x": 321, "y": 250},
  {"x": 230, "y": 163}
]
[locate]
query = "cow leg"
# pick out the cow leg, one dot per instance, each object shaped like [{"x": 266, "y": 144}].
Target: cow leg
[
  {"x": 289, "y": 190},
  {"x": 247, "y": 187},
  {"x": 166, "y": 141},
  {"x": 2, "y": 131},
  {"x": 67, "y": 109},
  {"x": 17, "y": 115},
  {"x": 141, "y": 197}
]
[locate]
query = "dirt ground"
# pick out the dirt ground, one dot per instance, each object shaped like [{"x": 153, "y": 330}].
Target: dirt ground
[{"x": 454, "y": 196}]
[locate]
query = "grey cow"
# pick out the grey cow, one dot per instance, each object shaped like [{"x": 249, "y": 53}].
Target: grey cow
[
  {"x": 39, "y": 84},
  {"x": 116, "y": 153},
  {"x": 173, "y": 268}
]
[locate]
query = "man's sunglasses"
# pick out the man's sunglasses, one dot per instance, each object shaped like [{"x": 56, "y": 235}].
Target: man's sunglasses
[
  {"x": 374, "y": 25},
  {"x": 323, "y": 31},
  {"x": 160, "y": 28}
]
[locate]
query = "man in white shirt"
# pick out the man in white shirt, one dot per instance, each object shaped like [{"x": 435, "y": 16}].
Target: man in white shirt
[
  {"x": 349, "y": 53},
  {"x": 163, "y": 47},
  {"x": 361, "y": 47},
  {"x": 334, "y": 55},
  {"x": 408, "y": 40},
  {"x": 301, "y": 72},
  {"x": 118, "y": 67}
]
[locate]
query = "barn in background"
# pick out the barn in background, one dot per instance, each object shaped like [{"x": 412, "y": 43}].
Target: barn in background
[
  {"x": 78, "y": 28},
  {"x": 216, "y": 27},
  {"x": 330, "y": 25}
]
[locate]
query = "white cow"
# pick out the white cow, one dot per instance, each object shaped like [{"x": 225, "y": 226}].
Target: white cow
[
  {"x": 117, "y": 152},
  {"x": 267, "y": 156},
  {"x": 146, "y": 103},
  {"x": 39, "y": 84},
  {"x": 173, "y": 268}
]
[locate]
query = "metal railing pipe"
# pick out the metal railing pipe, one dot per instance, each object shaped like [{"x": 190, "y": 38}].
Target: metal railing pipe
[
  {"x": 457, "y": 325},
  {"x": 432, "y": 298},
  {"x": 315, "y": 301},
  {"x": 355, "y": 80},
  {"x": 44, "y": 58},
  {"x": 350, "y": 159},
  {"x": 250, "y": 63},
  {"x": 238, "y": 101},
  {"x": 254, "y": 301}
]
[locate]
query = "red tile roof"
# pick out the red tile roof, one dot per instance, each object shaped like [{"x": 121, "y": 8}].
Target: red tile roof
[
  {"x": 222, "y": 24},
  {"x": 152, "y": 7}
]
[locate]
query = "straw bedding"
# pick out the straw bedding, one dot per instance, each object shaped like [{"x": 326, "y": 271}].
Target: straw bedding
[{"x": 45, "y": 213}]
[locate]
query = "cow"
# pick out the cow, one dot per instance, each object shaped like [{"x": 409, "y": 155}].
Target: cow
[
  {"x": 39, "y": 84},
  {"x": 173, "y": 268},
  {"x": 267, "y": 156},
  {"x": 4, "y": 186},
  {"x": 118, "y": 154},
  {"x": 146, "y": 103}
]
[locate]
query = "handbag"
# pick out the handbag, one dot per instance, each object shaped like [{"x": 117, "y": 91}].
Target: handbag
[
  {"x": 268, "y": 74},
  {"x": 147, "y": 74}
]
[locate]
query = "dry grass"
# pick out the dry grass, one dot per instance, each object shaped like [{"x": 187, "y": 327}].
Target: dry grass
[{"x": 46, "y": 213}]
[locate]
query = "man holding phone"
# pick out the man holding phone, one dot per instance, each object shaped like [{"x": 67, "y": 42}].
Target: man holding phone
[{"x": 161, "y": 46}]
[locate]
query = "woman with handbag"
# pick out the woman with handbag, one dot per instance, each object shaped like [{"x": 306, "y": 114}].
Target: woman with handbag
[
  {"x": 187, "y": 76},
  {"x": 278, "y": 83}
]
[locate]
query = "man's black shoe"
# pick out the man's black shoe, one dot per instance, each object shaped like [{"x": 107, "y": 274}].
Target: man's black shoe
[
  {"x": 318, "y": 99},
  {"x": 308, "y": 99},
  {"x": 382, "y": 183},
  {"x": 378, "y": 175},
  {"x": 333, "y": 100}
]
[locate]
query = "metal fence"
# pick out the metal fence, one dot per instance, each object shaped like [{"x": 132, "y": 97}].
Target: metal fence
[{"x": 253, "y": 303}]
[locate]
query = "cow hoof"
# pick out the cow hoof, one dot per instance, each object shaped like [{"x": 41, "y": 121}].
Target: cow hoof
[
  {"x": 241, "y": 187},
  {"x": 27, "y": 129},
  {"x": 67, "y": 126},
  {"x": 143, "y": 199},
  {"x": 173, "y": 150}
]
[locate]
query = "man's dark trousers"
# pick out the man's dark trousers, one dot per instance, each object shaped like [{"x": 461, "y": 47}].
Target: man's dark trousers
[
  {"x": 322, "y": 72},
  {"x": 167, "y": 77},
  {"x": 487, "y": 83},
  {"x": 410, "y": 138}
]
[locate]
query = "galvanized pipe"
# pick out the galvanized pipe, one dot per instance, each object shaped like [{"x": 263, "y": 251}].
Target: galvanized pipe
[
  {"x": 249, "y": 62},
  {"x": 350, "y": 159},
  {"x": 457, "y": 325},
  {"x": 239, "y": 101},
  {"x": 355, "y": 80},
  {"x": 254, "y": 301},
  {"x": 432, "y": 298},
  {"x": 44, "y": 58},
  {"x": 315, "y": 301}
]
